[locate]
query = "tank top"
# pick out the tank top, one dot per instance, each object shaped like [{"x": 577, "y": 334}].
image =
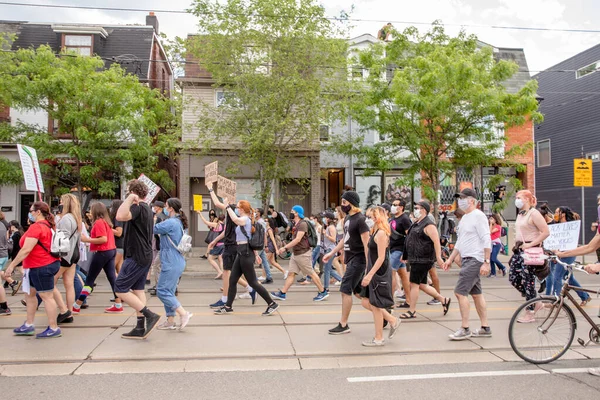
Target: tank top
[
  {"x": 239, "y": 234},
  {"x": 327, "y": 244},
  {"x": 340, "y": 228},
  {"x": 526, "y": 231},
  {"x": 374, "y": 254}
]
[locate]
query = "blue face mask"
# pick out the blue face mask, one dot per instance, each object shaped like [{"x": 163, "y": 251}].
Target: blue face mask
[
  {"x": 237, "y": 212},
  {"x": 165, "y": 211},
  {"x": 31, "y": 217}
]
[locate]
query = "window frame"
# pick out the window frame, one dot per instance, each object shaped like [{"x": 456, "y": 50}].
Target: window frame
[
  {"x": 589, "y": 156},
  {"x": 76, "y": 48},
  {"x": 324, "y": 138},
  {"x": 596, "y": 64},
  {"x": 537, "y": 153}
]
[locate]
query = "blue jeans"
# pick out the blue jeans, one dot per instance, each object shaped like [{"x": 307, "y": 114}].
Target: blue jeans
[
  {"x": 558, "y": 277},
  {"x": 167, "y": 284},
  {"x": 496, "y": 247},
  {"x": 328, "y": 272},
  {"x": 265, "y": 263},
  {"x": 315, "y": 255}
]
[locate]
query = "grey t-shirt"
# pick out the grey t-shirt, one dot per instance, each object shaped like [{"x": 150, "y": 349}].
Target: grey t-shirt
[
  {"x": 3, "y": 242},
  {"x": 68, "y": 224}
]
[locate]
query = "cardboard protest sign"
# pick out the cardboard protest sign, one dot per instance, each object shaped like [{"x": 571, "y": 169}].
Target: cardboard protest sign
[
  {"x": 153, "y": 188},
  {"x": 211, "y": 172},
  {"x": 226, "y": 189},
  {"x": 563, "y": 236}
]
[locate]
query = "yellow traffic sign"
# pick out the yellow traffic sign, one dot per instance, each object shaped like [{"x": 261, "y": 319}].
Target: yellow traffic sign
[{"x": 583, "y": 172}]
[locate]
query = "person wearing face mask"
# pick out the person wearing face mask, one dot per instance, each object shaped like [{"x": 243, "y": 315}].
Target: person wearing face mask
[
  {"x": 422, "y": 249},
  {"x": 172, "y": 264},
  {"x": 531, "y": 231},
  {"x": 474, "y": 246},
  {"x": 399, "y": 225},
  {"x": 301, "y": 260},
  {"x": 158, "y": 208},
  {"x": 212, "y": 219},
  {"x": 329, "y": 242},
  {"x": 216, "y": 225},
  {"x": 354, "y": 243},
  {"x": 15, "y": 234}
]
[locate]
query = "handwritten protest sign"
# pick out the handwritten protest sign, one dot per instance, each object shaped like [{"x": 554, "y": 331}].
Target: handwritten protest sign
[
  {"x": 226, "y": 189},
  {"x": 198, "y": 202},
  {"x": 563, "y": 236},
  {"x": 31, "y": 169},
  {"x": 153, "y": 188},
  {"x": 211, "y": 172}
]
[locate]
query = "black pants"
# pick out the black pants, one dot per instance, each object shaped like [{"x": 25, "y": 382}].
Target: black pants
[
  {"x": 244, "y": 265},
  {"x": 102, "y": 260}
]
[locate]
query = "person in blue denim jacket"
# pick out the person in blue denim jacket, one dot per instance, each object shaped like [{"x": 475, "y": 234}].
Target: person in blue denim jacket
[{"x": 172, "y": 264}]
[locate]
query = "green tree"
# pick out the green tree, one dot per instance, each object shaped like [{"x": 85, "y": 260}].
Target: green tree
[
  {"x": 280, "y": 66},
  {"x": 436, "y": 102},
  {"x": 108, "y": 125}
]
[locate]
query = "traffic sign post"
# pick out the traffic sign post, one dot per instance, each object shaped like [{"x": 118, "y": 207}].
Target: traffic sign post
[{"x": 582, "y": 177}]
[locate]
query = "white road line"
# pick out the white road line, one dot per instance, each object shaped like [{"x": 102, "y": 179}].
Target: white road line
[
  {"x": 570, "y": 370},
  {"x": 447, "y": 375}
]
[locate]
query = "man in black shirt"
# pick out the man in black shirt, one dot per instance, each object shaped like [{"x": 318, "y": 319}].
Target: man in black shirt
[
  {"x": 356, "y": 239},
  {"x": 138, "y": 257},
  {"x": 399, "y": 224}
]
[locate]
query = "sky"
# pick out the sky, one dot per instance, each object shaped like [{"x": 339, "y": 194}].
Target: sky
[{"x": 542, "y": 49}]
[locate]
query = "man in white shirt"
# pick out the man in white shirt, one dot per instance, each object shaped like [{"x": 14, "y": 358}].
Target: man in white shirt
[{"x": 474, "y": 246}]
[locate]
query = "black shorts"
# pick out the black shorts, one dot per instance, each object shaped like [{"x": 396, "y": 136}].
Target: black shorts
[
  {"x": 229, "y": 255},
  {"x": 131, "y": 277},
  {"x": 351, "y": 281},
  {"x": 42, "y": 278},
  {"x": 419, "y": 272}
]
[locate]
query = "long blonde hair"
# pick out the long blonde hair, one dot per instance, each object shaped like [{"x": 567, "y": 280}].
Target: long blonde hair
[
  {"x": 72, "y": 206},
  {"x": 380, "y": 220}
]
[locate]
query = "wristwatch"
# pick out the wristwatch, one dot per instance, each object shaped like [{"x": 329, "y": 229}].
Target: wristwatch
[
  {"x": 210, "y": 190},
  {"x": 486, "y": 261}
]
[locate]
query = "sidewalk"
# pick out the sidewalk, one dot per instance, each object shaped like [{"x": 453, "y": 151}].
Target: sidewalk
[{"x": 295, "y": 337}]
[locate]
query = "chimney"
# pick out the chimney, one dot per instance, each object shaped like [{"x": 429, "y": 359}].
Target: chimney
[{"x": 152, "y": 20}]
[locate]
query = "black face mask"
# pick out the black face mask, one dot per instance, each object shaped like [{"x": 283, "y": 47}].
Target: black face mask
[
  {"x": 292, "y": 216},
  {"x": 346, "y": 209},
  {"x": 60, "y": 208}
]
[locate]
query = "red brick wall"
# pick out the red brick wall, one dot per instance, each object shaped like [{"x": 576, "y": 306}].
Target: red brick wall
[
  {"x": 519, "y": 136},
  {"x": 160, "y": 75},
  {"x": 192, "y": 69},
  {"x": 4, "y": 113}
]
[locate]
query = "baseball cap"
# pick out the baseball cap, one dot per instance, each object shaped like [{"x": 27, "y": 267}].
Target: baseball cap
[{"x": 466, "y": 192}]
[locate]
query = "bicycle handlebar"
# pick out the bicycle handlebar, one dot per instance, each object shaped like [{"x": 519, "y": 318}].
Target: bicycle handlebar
[{"x": 576, "y": 266}]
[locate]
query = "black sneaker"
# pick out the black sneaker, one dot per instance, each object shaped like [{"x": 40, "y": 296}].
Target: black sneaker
[
  {"x": 301, "y": 280},
  {"x": 271, "y": 309},
  {"x": 542, "y": 286},
  {"x": 147, "y": 281},
  {"x": 151, "y": 324},
  {"x": 270, "y": 280},
  {"x": 340, "y": 330},
  {"x": 136, "y": 333},
  {"x": 152, "y": 291},
  {"x": 65, "y": 318},
  {"x": 85, "y": 306},
  {"x": 5, "y": 285},
  {"x": 15, "y": 286},
  {"x": 223, "y": 310},
  {"x": 5, "y": 311},
  {"x": 204, "y": 257}
]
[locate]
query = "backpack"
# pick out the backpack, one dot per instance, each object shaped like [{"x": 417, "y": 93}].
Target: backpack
[
  {"x": 282, "y": 221},
  {"x": 60, "y": 244},
  {"x": 257, "y": 241},
  {"x": 185, "y": 244},
  {"x": 503, "y": 232},
  {"x": 312, "y": 234}
]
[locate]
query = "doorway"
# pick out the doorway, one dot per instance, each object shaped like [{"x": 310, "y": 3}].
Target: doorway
[
  {"x": 24, "y": 205},
  {"x": 335, "y": 178}
]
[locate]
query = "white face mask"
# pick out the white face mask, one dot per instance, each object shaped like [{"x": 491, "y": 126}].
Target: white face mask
[
  {"x": 519, "y": 203},
  {"x": 463, "y": 204},
  {"x": 370, "y": 222},
  {"x": 394, "y": 210},
  {"x": 417, "y": 213}
]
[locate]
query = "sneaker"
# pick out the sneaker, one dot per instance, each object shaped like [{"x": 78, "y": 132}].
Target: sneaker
[
  {"x": 218, "y": 304},
  {"x": 167, "y": 326},
  {"x": 374, "y": 343},
  {"x": 135, "y": 333},
  {"x": 151, "y": 323},
  {"x": 5, "y": 311},
  {"x": 394, "y": 328},
  {"x": 15, "y": 286},
  {"x": 75, "y": 311},
  {"x": 185, "y": 320},
  {"x": 5, "y": 285},
  {"x": 270, "y": 280},
  {"x": 594, "y": 371},
  {"x": 246, "y": 295},
  {"x": 491, "y": 276},
  {"x": 24, "y": 330},
  {"x": 398, "y": 294},
  {"x": 482, "y": 332},
  {"x": 113, "y": 310},
  {"x": 338, "y": 283},
  {"x": 253, "y": 296},
  {"x": 504, "y": 272},
  {"x": 460, "y": 334},
  {"x": 64, "y": 318},
  {"x": 339, "y": 329},
  {"x": 261, "y": 278},
  {"x": 85, "y": 306},
  {"x": 271, "y": 309},
  {"x": 285, "y": 274},
  {"x": 204, "y": 257},
  {"x": 224, "y": 310},
  {"x": 529, "y": 317},
  {"x": 279, "y": 295},
  {"x": 147, "y": 281},
  {"x": 542, "y": 288},
  {"x": 433, "y": 302},
  {"x": 322, "y": 296},
  {"x": 49, "y": 333},
  {"x": 303, "y": 279},
  {"x": 152, "y": 291}
]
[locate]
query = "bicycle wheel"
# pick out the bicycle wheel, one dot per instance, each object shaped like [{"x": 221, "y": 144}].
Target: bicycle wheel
[{"x": 540, "y": 331}]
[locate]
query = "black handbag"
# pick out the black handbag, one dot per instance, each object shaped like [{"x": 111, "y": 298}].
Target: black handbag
[{"x": 211, "y": 236}]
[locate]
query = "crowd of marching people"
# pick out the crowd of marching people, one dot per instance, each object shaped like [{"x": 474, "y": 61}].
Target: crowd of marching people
[{"x": 384, "y": 255}]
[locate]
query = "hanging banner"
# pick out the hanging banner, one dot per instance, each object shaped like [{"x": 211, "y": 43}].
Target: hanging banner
[
  {"x": 211, "y": 172},
  {"x": 226, "y": 189},
  {"x": 31, "y": 169},
  {"x": 563, "y": 236},
  {"x": 153, "y": 188}
]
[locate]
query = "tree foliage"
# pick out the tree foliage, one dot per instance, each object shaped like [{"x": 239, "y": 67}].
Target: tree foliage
[
  {"x": 109, "y": 127},
  {"x": 281, "y": 65},
  {"x": 440, "y": 110}
]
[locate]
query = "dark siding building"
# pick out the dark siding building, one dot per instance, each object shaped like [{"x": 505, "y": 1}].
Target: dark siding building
[{"x": 571, "y": 128}]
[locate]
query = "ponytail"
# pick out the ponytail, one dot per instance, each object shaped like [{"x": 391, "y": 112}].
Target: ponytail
[
  {"x": 45, "y": 210},
  {"x": 176, "y": 205},
  {"x": 253, "y": 219}
]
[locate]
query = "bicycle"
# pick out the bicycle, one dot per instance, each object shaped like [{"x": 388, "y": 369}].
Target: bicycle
[{"x": 549, "y": 332}]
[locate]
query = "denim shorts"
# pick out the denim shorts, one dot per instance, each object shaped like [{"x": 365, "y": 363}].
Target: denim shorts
[
  {"x": 395, "y": 257},
  {"x": 3, "y": 263},
  {"x": 216, "y": 251},
  {"x": 42, "y": 278}
]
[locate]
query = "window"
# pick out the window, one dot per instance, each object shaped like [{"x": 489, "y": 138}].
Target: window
[
  {"x": 588, "y": 69},
  {"x": 324, "y": 133},
  {"x": 225, "y": 99},
  {"x": 595, "y": 157},
  {"x": 543, "y": 153},
  {"x": 81, "y": 44}
]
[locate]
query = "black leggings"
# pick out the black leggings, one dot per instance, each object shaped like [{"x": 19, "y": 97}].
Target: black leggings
[
  {"x": 244, "y": 264},
  {"x": 102, "y": 260}
]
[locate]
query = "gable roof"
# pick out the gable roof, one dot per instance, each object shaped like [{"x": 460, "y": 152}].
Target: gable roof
[{"x": 522, "y": 76}]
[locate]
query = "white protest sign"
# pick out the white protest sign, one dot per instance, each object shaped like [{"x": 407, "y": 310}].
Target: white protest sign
[
  {"x": 31, "y": 169},
  {"x": 226, "y": 189},
  {"x": 153, "y": 188},
  {"x": 211, "y": 171},
  {"x": 563, "y": 236}
]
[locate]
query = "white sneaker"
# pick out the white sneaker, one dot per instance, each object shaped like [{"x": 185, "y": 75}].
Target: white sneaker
[
  {"x": 261, "y": 278},
  {"x": 285, "y": 274},
  {"x": 338, "y": 283},
  {"x": 185, "y": 319},
  {"x": 398, "y": 294},
  {"x": 245, "y": 296}
]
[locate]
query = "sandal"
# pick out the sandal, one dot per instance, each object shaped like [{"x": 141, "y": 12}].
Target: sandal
[
  {"x": 408, "y": 315},
  {"x": 584, "y": 302},
  {"x": 446, "y": 305}
]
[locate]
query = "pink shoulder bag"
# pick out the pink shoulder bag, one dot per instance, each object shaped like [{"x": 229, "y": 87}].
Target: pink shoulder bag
[{"x": 533, "y": 255}]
